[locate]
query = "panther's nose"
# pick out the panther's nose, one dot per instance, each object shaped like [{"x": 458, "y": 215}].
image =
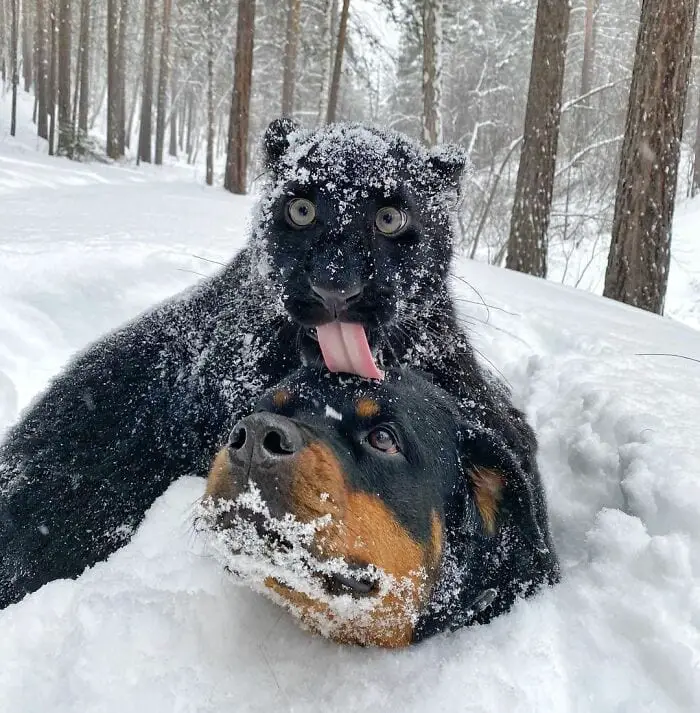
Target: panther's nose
[
  {"x": 336, "y": 301},
  {"x": 264, "y": 439}
]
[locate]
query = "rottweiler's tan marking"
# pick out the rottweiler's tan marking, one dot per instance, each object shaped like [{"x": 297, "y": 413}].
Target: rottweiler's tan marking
[
  {"x": 367, "y": 408},
  {"x": 488, "y": 492}
]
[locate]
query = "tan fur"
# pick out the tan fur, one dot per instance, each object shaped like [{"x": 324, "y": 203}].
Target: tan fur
[
  {"x": 367, "y": 408},
  {"x": 435, "y": 553},
  {"x": 362, "y": 531},
  {"x": 219, "y": 481},
  {"x": 281, "y": 397},
  {"x": 488, "y": 492}
]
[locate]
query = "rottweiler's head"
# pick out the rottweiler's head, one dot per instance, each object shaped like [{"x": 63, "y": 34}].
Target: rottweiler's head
[
  {"x": 374, "y": 511},
  {"x": 354, "y": 225}
]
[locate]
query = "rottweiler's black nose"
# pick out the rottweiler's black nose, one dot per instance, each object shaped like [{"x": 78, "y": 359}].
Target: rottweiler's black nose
[
  {"x": 336, "y": 301},
  {"x": 263, "y": 439}
]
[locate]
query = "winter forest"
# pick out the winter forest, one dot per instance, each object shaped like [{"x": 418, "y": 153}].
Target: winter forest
[
  {"x": 558, "y": 116},
  {"x": 514, "y": 425}
]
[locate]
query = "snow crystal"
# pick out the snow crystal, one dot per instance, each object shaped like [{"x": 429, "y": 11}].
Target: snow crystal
[{"x": 332, "y": 413}]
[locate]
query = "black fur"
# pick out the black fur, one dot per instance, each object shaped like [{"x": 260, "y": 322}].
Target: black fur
[{"x": 151, "y": 401}]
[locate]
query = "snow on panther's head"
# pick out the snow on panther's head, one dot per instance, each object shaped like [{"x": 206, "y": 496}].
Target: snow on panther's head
[{"x": 355, "y": 224}]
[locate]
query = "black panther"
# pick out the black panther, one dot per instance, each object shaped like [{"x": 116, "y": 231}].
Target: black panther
[
  {"x": 377, "y": 512},
  {"x": 348, "y": 260}
]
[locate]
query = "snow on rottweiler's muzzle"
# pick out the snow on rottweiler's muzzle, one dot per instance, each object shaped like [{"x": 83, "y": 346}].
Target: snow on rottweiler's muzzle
[{"x": 378, "y": 513}]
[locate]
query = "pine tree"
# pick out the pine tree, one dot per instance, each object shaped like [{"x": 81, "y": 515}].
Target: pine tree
[
  {"x": 527, "y": 243},
  {"x": 65, "y": 36},
  {"x": 239, "y": 119},
  {"x": 112, "y": 149},
  {"x": 84, "y": 77},
  {"x": 163, "y": 75},
  {"x": 338, "y": 63},
  {"x": 146, "y": 125},
  {"x": 14, "y": 39},
  {"x": 290, "y": 56},
  {"x": 432, "y": 71},
  {"x": 640, "y": 251},
  {"x": 42, "y": 68}
]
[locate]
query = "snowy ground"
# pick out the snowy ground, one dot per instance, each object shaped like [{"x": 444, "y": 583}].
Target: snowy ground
[{"x": 158, "y": 627}]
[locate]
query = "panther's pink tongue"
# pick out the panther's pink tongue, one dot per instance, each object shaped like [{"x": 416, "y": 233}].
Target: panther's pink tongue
[{"x": 345, "y": 348}]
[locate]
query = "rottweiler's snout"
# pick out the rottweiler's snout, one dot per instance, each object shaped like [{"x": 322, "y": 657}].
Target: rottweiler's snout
[{"x": 263, "y": 439}]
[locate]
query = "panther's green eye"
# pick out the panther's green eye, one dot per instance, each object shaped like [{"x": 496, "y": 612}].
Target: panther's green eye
[
  {"x": 301, "y": 212},
  {"x": 390, "y": 220}
]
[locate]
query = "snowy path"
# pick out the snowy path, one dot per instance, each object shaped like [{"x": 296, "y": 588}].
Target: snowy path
[{"x": 159, "y": 628}]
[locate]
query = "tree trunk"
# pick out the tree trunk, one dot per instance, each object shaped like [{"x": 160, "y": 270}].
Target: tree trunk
[
  {"x": 527, "y": 242},
  {"x": 190, "y": 122},
  {"x": 326, "y": 43},
  {"x": 290, "y": 56},
  {"x": 112, "y": 79},
  {"x": 583, "y": 110},
  {"x": 145, "y": 128},
  {"x": 3, "y": 41},
  {"x": 84, "y": 105},
  {"x": 121, "y": 77},
  {"x": 172, "y": 149},
  {"x": 53, "y": 72},
  {"x": 163, "y": 74},
  {"x": 695, "y": 189},
  {"x": 27, "y": 46},
  {"x": 129, "y": 130},
  {"x": 338, "y": 64},
  {"x": 237, "y": 157},
  {"x": 432, "y": 65},
  {"x": 210, "y": 95},
  {"x": 65, "y": 33},
  {"x": 42, "y": 69},
  {"x": 14, "y": 40},
  {"x": 640, "y": 251}
]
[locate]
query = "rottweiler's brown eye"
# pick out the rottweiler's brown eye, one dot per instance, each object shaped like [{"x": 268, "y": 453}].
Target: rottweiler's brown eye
[
  {"x": 390, "y": 221},
  {"x": 301, "y": 212},
  {"x": 383, "y": 440}
]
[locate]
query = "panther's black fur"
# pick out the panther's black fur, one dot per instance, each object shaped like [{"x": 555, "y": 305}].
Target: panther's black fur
[{"x": 151, "y": 401}]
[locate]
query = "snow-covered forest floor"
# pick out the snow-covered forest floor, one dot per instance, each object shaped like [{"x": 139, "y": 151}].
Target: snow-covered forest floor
[{"x": 159, "y": 627}]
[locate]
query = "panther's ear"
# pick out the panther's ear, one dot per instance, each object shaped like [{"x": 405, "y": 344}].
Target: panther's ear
[
  {"x": 276, "y": 140},
  {"x": 451, "y": 163},
  {"x": 501, "y": 489}
]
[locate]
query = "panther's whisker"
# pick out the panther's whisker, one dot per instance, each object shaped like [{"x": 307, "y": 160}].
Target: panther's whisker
[
  {"x": 391, "y": 348},
  {"x": 206, "y": 259},
  {"x": 465, "y": 300}
]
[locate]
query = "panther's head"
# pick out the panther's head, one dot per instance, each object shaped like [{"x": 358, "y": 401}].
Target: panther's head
[{"x": 355, "y": 231}]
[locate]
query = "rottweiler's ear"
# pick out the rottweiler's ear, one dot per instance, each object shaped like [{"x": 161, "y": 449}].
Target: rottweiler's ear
[
  {"x": 452, "y": 164},
  {"x": 499, "y": 485},
  {"x": 276, "y": 140}
]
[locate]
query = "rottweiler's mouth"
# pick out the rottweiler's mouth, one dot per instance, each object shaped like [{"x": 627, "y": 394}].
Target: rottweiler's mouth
[
  {"x": 274, "y": 549},
  {"x": 361, "y": 585}
]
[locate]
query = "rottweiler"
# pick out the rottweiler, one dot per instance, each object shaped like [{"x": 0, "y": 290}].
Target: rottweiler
[{"x": 379, "y": 513}]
